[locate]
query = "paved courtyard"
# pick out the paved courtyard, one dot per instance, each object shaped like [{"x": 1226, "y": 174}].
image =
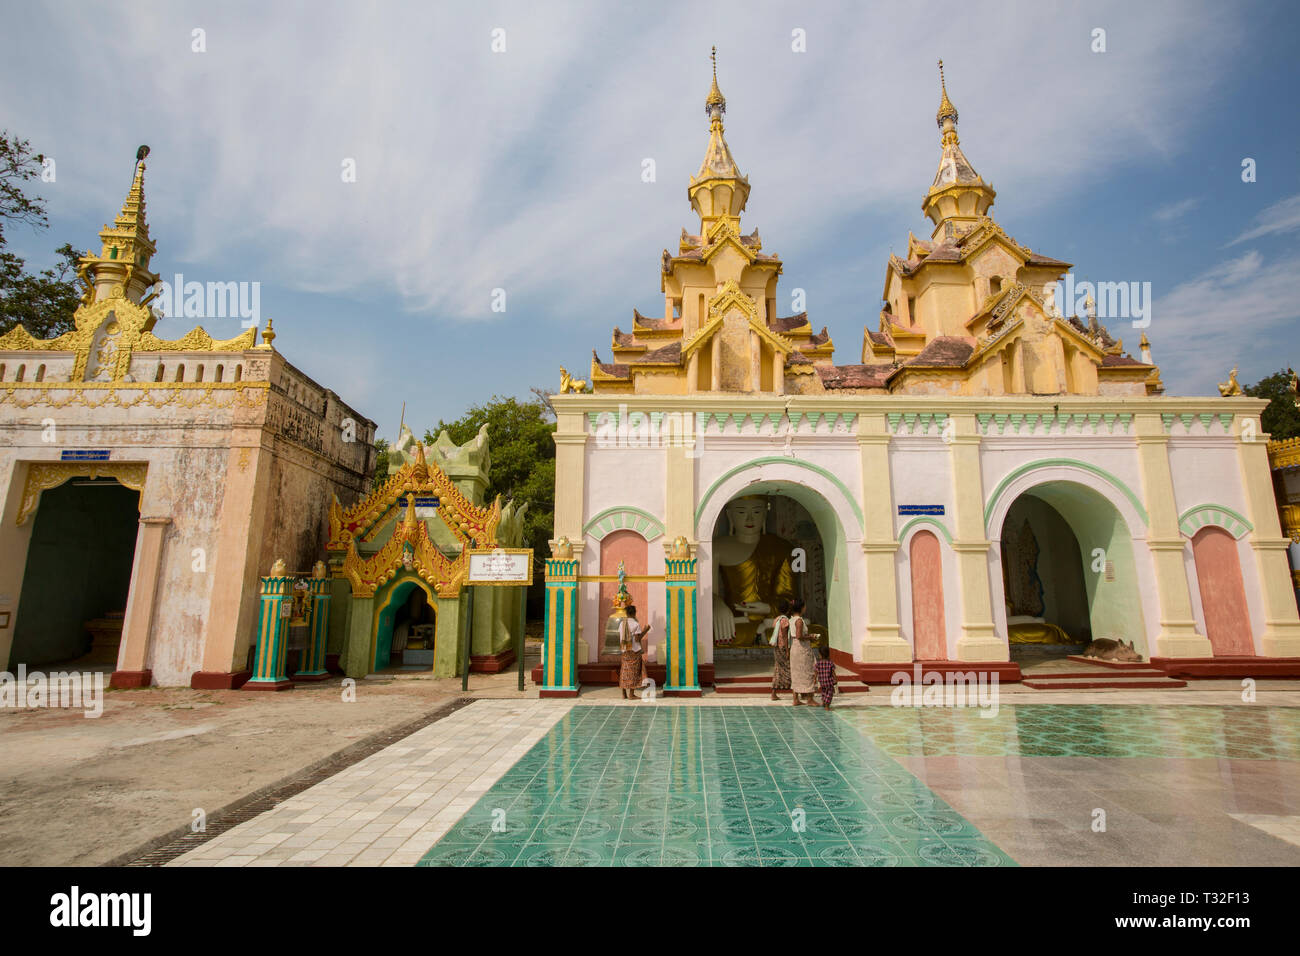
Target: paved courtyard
[{"x": 530, "y": 782}]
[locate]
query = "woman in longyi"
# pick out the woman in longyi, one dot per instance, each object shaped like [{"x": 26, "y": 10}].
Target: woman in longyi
[{"x": 631, "y": 638}]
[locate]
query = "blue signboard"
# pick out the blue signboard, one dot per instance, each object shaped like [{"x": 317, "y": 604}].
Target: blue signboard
[
  {"x": 421, "y": 501},
  {"x": 920, "y": 509},
  {"x": 84, "y": 454}
]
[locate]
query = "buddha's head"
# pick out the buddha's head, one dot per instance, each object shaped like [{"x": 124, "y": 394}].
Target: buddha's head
[{"x": 747, "y": 517}]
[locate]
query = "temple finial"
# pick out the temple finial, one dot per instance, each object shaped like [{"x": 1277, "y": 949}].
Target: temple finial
[
  {"x": 946, "y": 110},
  {"x": 716, "y": 104}
]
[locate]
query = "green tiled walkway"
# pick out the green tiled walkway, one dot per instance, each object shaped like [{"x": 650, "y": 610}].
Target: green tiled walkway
[
  {"x": 1084, "y": 730},
  {"x": 730, "y": 786}
]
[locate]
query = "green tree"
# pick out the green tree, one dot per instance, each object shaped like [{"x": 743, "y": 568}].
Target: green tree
[
  {"x": 1281, "y": 419},
  {"x": 381, "y": 463},
  {"x": 522, "y": 464},
  {"x": 44, "y": 302}
]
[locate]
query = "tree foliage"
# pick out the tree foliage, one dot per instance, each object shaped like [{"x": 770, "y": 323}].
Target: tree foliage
[
  {"x": 522, "y": 463},
  {"x": 380, "y": 474},
  {"x": 42, "y": 302},
  {"x": 1281, "y": 419}
]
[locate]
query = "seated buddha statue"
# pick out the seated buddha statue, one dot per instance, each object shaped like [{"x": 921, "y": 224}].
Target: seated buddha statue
[{"x": 751, "y": 574}]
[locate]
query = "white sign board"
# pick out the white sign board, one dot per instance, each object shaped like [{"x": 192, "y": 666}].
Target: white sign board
[{"x": 501, "y": 566}]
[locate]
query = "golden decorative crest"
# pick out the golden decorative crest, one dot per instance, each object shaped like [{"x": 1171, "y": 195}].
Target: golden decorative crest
[
  {"x": 42, "y": 476},
  {"x": 409, "y": 549},
  {"x": 108, "y": 332}
]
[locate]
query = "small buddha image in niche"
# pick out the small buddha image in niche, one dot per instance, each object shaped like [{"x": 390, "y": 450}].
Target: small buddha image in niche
[{"x": 751, "y": 574}]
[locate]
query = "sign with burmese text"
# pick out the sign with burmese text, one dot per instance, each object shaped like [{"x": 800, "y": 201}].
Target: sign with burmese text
[{"x": 501, "y": 566}]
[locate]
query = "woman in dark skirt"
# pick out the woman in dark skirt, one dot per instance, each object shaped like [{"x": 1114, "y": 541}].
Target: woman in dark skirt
[
  {"x": 781, "y": 649},
  {"x": 631, "y": 637}
]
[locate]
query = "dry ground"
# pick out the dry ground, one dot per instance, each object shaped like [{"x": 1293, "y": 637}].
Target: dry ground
[{"x": 78, "y": 791}]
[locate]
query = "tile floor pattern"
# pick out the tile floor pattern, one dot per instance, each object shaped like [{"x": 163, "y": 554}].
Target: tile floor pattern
[
  {"x": 1085, "y": 730},
  {"x": 639, "y": 784},
  {"x": 387, "y": 809},
  {"x": 687, "y": 786}
]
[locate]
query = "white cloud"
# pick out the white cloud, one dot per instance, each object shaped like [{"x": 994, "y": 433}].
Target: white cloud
[
  {"x": 1242, "y": 312},
  {"x": 1175, "y": 210},
  {"x": 1282, "y": 216},
  {"x": 522, "y": 170}
]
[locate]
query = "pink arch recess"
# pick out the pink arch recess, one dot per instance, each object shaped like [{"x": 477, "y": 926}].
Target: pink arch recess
[
  {"x": 1223, "y": 596},
  {"x": 929, "y": 636}
]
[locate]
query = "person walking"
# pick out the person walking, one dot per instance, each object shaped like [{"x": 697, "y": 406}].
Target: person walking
[
  {"x": 803, "y": 676},
  {"x": 631, "y": 636},
  {"x": 781, "y": 649},
  {"x": 825, "y": 669}
]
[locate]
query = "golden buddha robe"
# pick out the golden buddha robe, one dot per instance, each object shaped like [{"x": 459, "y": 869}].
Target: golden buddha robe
[{"x": 764, "y": 576}]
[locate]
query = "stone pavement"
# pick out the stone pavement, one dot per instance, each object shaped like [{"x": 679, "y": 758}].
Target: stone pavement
[
  {"x": 1213, "y": 783},
  {"x": 391, "y": 807}
]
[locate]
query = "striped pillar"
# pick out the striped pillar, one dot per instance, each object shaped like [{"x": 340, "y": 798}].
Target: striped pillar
[
  {"x": 272, "y": 637},
  {"x": 311, "y": 665},
  {"x": 682, "y": 679},
  {"x": 560, "y": 640}
]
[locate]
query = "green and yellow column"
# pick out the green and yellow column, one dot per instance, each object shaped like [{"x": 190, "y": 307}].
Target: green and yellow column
[
  {"x": 272, "y": 634},
  {"x": 560, "y": 640},
  {"x": 680, "y": 660},
  {"x": 311, "y": 666}
]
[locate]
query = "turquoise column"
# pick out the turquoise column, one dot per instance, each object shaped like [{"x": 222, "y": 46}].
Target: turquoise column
[
  {"x": 272, "y": 636},
  {"x": 311, "y": 665},
  {"x": 681, "y": 663},
  {"x": 560, "y": 640}
]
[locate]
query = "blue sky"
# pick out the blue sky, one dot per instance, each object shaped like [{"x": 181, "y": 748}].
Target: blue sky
[{"x": 521, "y": 170}]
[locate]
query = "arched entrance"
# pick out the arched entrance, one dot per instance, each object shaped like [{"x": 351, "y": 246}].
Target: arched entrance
[
  {"x": 836, "y": 526},
  {"x": 1067, "y": 564},
  {"x": 78, "y": 573},
  {"x": 405, "y": 624},
  {"x": 1223, "y": 595}
]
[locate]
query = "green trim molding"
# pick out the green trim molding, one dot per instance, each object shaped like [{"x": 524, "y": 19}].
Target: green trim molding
[
  {"x": 902, "y": 532},
  {"x": 782, "y": 460},
  {"x": 618, "y": 519},
  {"x": 1194, "y": 519},
  {"x": 1056, "y": 463}
]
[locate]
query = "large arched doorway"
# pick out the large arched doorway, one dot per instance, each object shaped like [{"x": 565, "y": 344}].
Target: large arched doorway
[
  {"x": 766, "y": 549},
  {"x": 405, "y": 626},
  {"x": 77, "y": 575},
  {"x": 1223, "y": 595},
  {"x": 804, "y": 551},
  {"x": 1068, "y": 571}
]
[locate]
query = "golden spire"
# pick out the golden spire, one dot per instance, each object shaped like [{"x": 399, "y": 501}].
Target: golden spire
[
  {"x": 132, "y": 214},
  {"x": 716, "y": 104},
  {"x": 268, "y": 335},
  {"x": 946, "y": 110},
  {"x": 122, "y": 266},
  {"x": 718, "y": 165}
]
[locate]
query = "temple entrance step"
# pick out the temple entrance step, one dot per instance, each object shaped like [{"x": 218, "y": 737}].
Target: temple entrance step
[
  {"x": 848, "y": 683},
  {"x": 1136, "y": 676}
]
